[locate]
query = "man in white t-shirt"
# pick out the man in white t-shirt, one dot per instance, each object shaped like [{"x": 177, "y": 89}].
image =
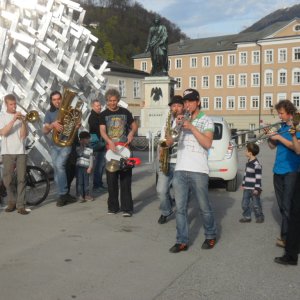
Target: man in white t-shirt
[
  {"x": 13, "y": 130},
  {"x": 191, "y": 172}
]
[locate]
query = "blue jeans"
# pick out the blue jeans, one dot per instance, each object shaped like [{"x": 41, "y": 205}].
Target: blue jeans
[
  {"x": 186, "y": 183},
  {"x": 59, "y": 157},
  {"x": 284, "y": 185},
  {"x": 163, "y": 190},
  {"x": 98, "y": 169},
  {"x": 248, "y": 197},
  {"x": 82, "y": 182}
]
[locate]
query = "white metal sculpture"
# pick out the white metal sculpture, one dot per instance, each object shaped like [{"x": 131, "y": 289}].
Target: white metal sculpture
[{"x": 44, "y": 46}]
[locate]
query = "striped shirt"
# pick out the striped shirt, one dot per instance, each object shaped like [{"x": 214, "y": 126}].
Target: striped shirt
[{"x": 252, "y": 175}]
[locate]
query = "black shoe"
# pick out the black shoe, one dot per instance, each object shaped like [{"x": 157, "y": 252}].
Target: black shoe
[
  {"x": 163, "y": 219},
  {"x": 208, "y": 244},
  {"x": 178, "y": 247},
  {"x": 69, "y": 198},
  {"x": 286, "y": 260},
  {"x": 127, "y": 214},
  {"x": 61, "y": 201},
  {"x": 112, "y": 212},
  {"x": 245, "y": 220}
]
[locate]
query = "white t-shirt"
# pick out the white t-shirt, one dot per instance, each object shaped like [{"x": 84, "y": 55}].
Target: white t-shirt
[
  {"x": 191, "y": 156},
  {"x": 11, "y": 144}
]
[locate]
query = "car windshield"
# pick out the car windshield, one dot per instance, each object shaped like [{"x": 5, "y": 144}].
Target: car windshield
[{"x": 218, "y": 131}]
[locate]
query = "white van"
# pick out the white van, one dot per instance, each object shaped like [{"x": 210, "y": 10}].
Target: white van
[{"x": 222, "y": 156}]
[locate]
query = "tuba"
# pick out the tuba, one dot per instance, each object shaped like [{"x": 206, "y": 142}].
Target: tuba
[{"x": 69, "y": 117}]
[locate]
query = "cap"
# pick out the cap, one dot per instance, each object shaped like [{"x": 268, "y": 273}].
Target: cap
[
  {"x": 191, "y": 94},
  {"x": 176, "y": 99}
]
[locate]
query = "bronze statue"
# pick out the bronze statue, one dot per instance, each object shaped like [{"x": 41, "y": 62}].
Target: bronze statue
[{"x": 158, "y": 45}]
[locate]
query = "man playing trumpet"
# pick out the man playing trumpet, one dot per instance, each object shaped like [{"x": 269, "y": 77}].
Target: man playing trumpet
[
  {"x": 286, "y": 165},
  {"x": 13, "y": 129}
]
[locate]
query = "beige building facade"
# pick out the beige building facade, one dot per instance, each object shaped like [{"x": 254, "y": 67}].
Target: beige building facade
[{"x": 240, "y": 77}]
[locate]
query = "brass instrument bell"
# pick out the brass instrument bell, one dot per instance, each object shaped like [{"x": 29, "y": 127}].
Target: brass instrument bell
[{"x": 32, "y": 116}]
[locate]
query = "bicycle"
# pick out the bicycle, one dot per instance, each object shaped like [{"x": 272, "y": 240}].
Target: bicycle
[{"x": 37, "y": 185}]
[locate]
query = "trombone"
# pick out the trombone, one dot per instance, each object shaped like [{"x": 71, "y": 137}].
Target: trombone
[{"x": 32, "y": 116}]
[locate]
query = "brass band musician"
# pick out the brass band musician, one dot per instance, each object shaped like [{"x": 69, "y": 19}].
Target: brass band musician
[
  {"x": 168, "y": 158},
  {"x": 13, "y": 129},
  {"x": 59, "y": 154}
]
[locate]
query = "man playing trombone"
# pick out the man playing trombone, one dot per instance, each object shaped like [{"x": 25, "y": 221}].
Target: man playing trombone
[
  {"x": 13, "y": 129},
  {"x": 286, "y": 165}
]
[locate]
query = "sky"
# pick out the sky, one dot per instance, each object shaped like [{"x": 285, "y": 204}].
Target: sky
[{"x": 204, "y": 18}]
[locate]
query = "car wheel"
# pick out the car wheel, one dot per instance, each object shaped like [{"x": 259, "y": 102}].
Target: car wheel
[{"x": 231, "y": 185}]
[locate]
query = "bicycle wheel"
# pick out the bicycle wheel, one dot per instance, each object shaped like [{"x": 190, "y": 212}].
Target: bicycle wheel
[{"x": 37, "y": 185}]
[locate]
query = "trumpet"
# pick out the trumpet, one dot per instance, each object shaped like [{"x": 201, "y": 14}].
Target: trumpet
[
  {"x": 175, "y": 132},
  {"x": 32, "y": 116}
]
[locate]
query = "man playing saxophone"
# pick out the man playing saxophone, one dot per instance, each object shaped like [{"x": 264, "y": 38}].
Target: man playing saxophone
[
  {"x": 168, "y": 154},
  {"x": 59, "y": 154}
]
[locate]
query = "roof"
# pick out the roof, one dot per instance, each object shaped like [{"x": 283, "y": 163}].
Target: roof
[{"x": 219, "y": 43}]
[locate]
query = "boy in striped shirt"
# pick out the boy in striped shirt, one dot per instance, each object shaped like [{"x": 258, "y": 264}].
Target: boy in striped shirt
[{"x": 252, "y": 186}]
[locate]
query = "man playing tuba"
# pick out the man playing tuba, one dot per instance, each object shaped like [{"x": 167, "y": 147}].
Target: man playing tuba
[
  {"x": 168, "y": 156},
  {"x": 59, "y": 154}
]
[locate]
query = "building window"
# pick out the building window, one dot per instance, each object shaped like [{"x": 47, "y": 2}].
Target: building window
[
  {"x": 178, "y": 63},
  {"x": 243, "y": 58},
  {"x": 268, "y": 101},
  {"x": 231, "y": 59},
  {"x": 242, "y": 102},
  {"x": 136, "y": 89},
  {"x": 169, "y": 64},
  {"x": 230, "y": 103},
  {"x": 296, "y": 76},
  {"x": 281, "y": 96},
  {"x": 269, "y": 56},
  {"x": 282, "y": 55},
  {"x": 230, "y": 80},
  {"x": 296, "y": 54},
  {"x": 242, "y": 80},
  {"x": 205, "y": 82},
  {"x": 268, "y": 77},
  {"x": 178, "y": 83},
  {"x": 193, "y": 62},
  {"x": 297, "y": 28},
  {"x": 296, "y": 99},
  {"x": 219, "y": 81},
  {"x": 282, "y": 77},
  {"x": 218, "y": 103},
  {"x": 231, "y": 125},
  {"x": 251, "y": 126},
  {"x": 255, "y": 57},
  {"x": 206, "y": 61},
  {"x": 254, "y": 102},
  {"x": 255, "y": 79},
  {"x": 144, "y": 66},
  {"x": 193, "y": 82},
  {"x": 122, "y": 88},
  {"x": 219, "y": 60},
  {"x": 205, "y": 103}
]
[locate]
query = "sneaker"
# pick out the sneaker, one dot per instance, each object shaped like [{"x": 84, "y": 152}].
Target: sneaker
[
  {"x": 89, "y": 198},
  {"x": 127, "y": 214},
  {"x": 286, "y": 260},
  {"x": 69, "y": 198},
  {"x": 23, "y": 211},
  {"x": 244, "y": 220},
  {"x": 163, "y": 219},
  {"x": 178, "y": 248},
  {"x": 260, "y": 220},
  {"x": 81, "y": 199},
  {"x": 111, "y": 212},
  {"x": 280, "y": 243},
  {"x": 60, "y": 201},
  {"x": 208, "y": 244}
]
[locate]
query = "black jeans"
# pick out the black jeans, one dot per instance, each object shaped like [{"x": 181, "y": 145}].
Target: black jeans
[
  {"x": 293, "y": 237},
  {"x": 125, "y": 190},
  {"x": 284, "y": 189}
]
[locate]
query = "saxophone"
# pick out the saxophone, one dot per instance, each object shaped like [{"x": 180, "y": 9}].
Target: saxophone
[
  {"x": 69, "y": 117},
  {"x": 164, "y": 148}
]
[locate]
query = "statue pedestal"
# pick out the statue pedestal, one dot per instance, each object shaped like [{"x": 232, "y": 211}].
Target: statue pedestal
[{"x": 158, "y": 93}]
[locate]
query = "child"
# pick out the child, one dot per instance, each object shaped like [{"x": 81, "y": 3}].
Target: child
[
  {"x": 252, "y": 186},
  {"x": 84, "y": 165}
]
